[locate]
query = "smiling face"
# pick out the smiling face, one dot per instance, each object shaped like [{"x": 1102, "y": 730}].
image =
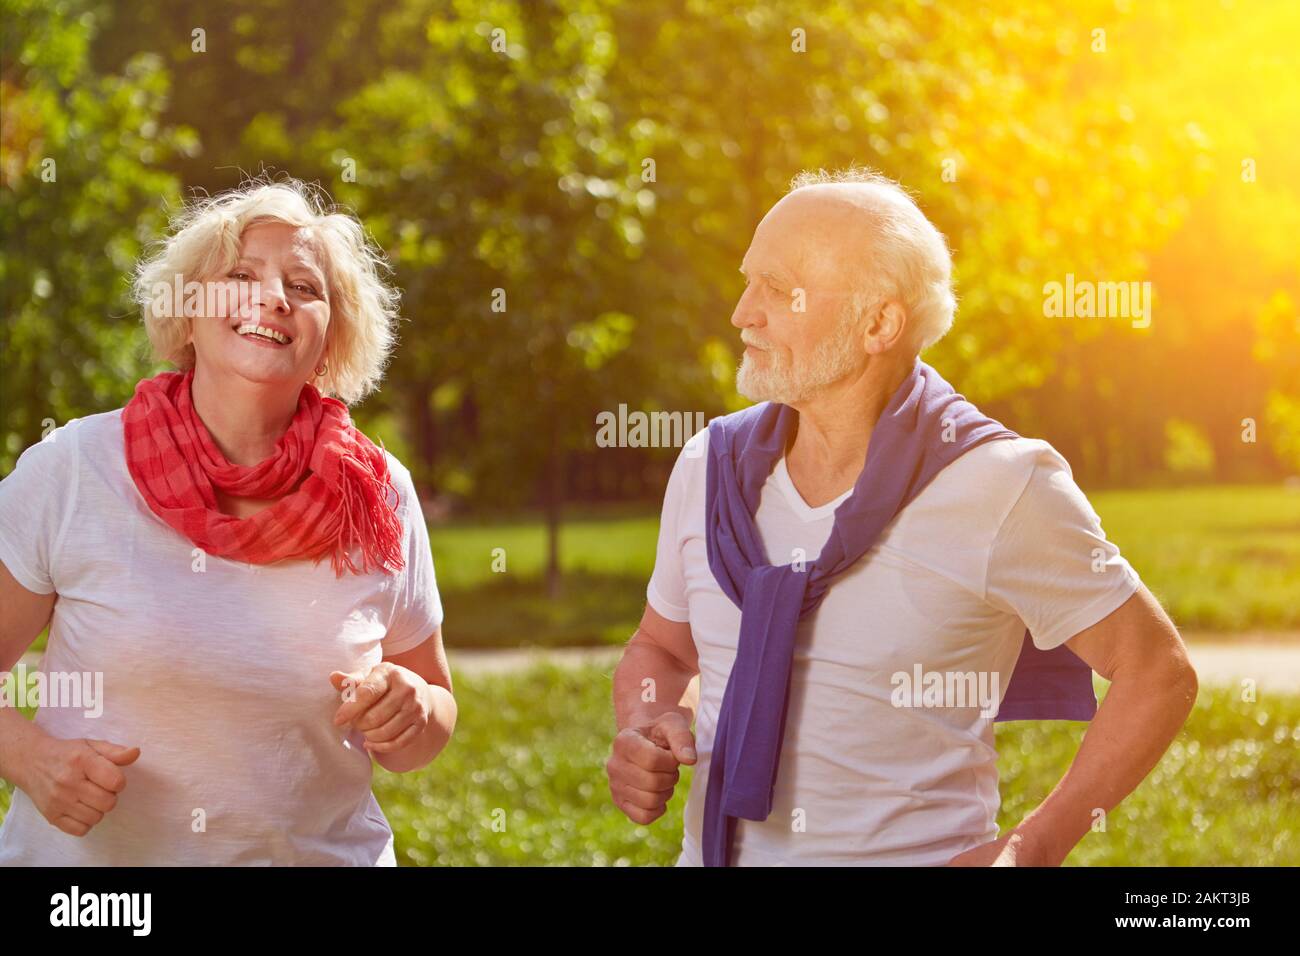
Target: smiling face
[
  {"x": 790, "y": 355},
  {"x": 291, "y": 302}
]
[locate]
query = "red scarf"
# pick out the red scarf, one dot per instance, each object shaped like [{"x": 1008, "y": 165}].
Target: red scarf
[{"x": 342, "y": 503}]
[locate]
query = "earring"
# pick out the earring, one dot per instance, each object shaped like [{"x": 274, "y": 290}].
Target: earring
[{"x": 322, "y": 370}]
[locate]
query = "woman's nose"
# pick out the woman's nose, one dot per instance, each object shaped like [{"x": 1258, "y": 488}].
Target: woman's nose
[{"x": 273, "y": 296}]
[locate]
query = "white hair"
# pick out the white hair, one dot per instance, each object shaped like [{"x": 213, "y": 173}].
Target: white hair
[{"x": 910, "y": 256}]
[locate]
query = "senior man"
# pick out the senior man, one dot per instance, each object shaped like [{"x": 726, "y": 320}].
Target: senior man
[{"x": 854, "y": 575}]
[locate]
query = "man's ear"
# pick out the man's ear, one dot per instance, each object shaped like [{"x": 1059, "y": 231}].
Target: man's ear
[{"x": 885, "y": 327}]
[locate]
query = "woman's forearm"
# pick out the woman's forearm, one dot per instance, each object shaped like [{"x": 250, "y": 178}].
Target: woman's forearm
[
  {"x": 17, "y": 734},
  {"x": 421, "y": 751}
]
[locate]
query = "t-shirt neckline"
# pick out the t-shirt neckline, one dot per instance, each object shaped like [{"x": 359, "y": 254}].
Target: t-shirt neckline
[{"x": 803, "y": 510}]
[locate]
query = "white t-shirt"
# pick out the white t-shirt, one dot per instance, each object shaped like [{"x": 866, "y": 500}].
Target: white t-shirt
[
  {"x": 1001, "y": 536},
  {"x": 220, "y": 676}
]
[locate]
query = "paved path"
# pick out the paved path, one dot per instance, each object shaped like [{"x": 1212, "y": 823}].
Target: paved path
[
  {"x": 1273, "y": 666},
  {"x": 1272, "y": 660},
  {"x": 504, "y": 661}
]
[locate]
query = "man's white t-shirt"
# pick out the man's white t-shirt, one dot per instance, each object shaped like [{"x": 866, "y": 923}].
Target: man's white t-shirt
[
  {"x": 999, "y": 540},
  {"x": 217, "y": 670}
]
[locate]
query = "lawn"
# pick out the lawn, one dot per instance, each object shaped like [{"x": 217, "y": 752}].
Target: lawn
[
  {"x": 530, "y": 750},
  {"x": 523, "y": 783},
  {"x": 1222, "y": 558}
]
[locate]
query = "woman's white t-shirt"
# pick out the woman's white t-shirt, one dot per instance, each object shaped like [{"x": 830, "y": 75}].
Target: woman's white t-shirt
[
  {"x": 1000, "y": 540},
  {"x": 217, "y": 670}
]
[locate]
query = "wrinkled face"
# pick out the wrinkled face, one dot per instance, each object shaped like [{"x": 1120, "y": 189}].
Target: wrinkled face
[
  {"x": 794, "y": 315},
  {"x": 278, "y": 285}
]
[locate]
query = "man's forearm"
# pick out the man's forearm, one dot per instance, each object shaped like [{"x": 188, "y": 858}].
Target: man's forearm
[
  {"x": 1141, "y": 714},
  {"x": 648, "y": 682}
]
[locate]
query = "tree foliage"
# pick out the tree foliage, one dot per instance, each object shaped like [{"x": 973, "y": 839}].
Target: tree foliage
[{"x": 599, "y": 166}]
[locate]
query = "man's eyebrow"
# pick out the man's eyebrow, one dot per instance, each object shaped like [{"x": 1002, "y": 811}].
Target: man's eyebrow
[{"x": 766, "y": 273}]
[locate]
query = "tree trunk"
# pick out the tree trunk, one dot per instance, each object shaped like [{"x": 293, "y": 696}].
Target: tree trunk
[
  {"x": 426, "y": 436},
  {"x": 553, "y": 501}
]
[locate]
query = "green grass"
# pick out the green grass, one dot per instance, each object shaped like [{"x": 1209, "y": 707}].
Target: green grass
[
  {"x": 529, "y": 752},
  {"x": 1224, "y": 794},
  {"x": 1221, "y": 558},
  {"x": 593, "y": 609},
  {"x": 606, "y": 562},
  {"x": 530, "y": 749},
  {"x": 1224, "y": 558},
  {"x": 533, "y": 747},
  {"x": 617, "y": 547}
]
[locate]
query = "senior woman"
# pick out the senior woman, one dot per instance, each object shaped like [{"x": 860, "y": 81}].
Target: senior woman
[{"x": 176, "y": 547}]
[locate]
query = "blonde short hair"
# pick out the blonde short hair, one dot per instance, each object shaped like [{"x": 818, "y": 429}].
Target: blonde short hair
[{"x": 204, "y": 243}]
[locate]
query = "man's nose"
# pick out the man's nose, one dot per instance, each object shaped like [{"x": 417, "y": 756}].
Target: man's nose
[{"x": 747, "y": 315}]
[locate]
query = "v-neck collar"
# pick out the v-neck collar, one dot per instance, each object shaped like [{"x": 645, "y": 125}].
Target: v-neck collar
[{"x": 801, "y": 508}]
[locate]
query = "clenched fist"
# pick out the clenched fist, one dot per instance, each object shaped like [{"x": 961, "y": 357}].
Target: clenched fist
[
  {"x": 73, "y": 783},
  {"x": 642, "y": 766},
  {"x": 388, "y": 704}
]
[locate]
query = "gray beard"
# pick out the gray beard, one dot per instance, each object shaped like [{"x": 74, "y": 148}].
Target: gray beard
[{"x": 832, "y": 359}]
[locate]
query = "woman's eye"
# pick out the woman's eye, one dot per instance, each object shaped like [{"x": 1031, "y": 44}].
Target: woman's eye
[
  {"x": 306, "y": 288},
  {"x": 238, "y": 274}
]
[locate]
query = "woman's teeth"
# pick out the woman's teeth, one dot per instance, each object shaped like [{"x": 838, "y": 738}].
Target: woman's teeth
[{"x": 264, "y": 332}]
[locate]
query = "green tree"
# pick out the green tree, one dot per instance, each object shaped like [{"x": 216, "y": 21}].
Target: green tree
[{"x": 83, "y": 190}]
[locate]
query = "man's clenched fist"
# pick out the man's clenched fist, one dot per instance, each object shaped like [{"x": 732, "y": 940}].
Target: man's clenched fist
[{"x": 642, "y": 766}]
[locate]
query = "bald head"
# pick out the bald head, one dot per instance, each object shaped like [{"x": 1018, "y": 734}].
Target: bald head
[
  {"x": 826, "y": 228},
  {"x": 871, "y": 234},
  {"x": 839, "y": 270}
]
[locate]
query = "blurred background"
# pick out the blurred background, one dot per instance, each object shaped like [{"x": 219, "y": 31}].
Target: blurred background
[{"x": 605, "y": 163}]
